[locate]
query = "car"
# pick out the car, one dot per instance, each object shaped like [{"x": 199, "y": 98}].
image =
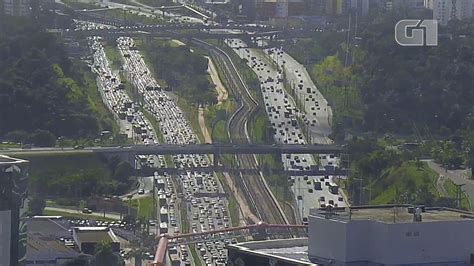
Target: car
[
  {"x": 86, "y": 210},
  {"x": 141, "y": 191}
]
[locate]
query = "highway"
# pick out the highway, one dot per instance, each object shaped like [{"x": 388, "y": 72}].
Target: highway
[
  {"x": 286, "y": 118},
  {"x": 308, "y": 97},
  {"x": 202, "y": 204},
  {"x": 258, "y": 193}
]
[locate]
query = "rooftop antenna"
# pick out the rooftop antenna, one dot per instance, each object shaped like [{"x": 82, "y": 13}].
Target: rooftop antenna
[{"x": 453, "y": 9}]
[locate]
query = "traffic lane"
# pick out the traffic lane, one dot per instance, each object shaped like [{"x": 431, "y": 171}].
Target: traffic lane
[
  {"x": 275, "y": 97},
  {"x": 189, "y": 181},
  {"x": 315, "y": 105},
  {"x": 299, "y": 77},
  {"x": 308, "y": 197}
]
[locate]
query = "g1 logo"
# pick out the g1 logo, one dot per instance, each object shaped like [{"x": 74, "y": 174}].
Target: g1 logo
[{"x": 416, "y": 32}]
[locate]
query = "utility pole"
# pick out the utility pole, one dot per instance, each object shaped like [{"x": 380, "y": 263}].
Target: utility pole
[
  {"x": 154, "y": 198},
  {"x": 459, "y": 194},
  {"x": 348, "y": 40}
]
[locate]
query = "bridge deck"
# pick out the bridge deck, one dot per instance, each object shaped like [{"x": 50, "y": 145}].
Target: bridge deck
[{"x": 167, "y": 149}]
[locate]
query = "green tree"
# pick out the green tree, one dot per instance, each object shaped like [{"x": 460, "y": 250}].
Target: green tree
[
  {"x": 79, "y": 261},
  {"x": 418, "y": 163},
  {"x": 36, "y": 205},
  {"x": 42, "y": 138},
  {"x": 103, "y": 255}
]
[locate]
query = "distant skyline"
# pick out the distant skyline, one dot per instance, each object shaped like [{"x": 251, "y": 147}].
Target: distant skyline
[
  {"x": 446, "y": 10},
  {"x": 16, "y": 7}
]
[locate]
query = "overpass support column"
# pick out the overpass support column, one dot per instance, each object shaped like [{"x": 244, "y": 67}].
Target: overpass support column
[{"x": 216, "y": 159}]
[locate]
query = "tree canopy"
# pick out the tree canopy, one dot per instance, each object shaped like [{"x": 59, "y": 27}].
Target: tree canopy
[
  {"x": 41, "y": 90},
  {"x": 183, "y": 70},
  {"x": 407, "y": 87},
  {"x": 103, "y": 255}
]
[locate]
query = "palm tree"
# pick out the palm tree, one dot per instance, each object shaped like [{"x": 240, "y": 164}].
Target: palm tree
[
  {"x": 103, "y": 255},
  {"x": 81, "y": 260}
]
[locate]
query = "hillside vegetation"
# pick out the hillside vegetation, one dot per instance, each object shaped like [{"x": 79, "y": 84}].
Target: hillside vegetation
[
  {"x": 404, "y": 90},
  {"x": 43, "y": 94},
  {"x": 384, "y": 174},
  {"x": 78, "y": 176},
  {"x": 183, "y": 70}
]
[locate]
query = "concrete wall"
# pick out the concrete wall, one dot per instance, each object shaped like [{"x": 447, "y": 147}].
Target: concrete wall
[
  {"x": 327, "y": 238},
  {"x": 403, "y": 243}
]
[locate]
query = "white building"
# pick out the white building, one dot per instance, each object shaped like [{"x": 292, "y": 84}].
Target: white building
[
  {"x": 361, "y": 6},
  {"x": 410, "y": 4},
  {"x": 16, "y": 7},
  {"x": 445, "y": 10},
  {"x": 391, "y": 236},
  {"x": 281, "y": 9}
]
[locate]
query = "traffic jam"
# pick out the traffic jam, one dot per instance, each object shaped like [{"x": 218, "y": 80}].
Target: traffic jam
[
  {"x": 286, "y": 119},
  {"x": 201, "y": 192}
]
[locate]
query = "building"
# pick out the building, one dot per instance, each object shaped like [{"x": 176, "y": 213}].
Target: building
[
  {"x": 16, "y": 7},
  {"x": 360, "y": 7},
  {"x": 287, "y": 252},
  {"x": 13, "y": 207},
  {"x": 342, "y": 7},
  {"x": 445, "y": 10},
  {"x": 334, "y": 7},
  {"x": 415, "y": 5},
  {"x": 391, "y": 235},
  {"x": 50, "y": 226},
  {"x": 315, "y": 7},
  {"x": 50, "y": 242},
  {"x": 281, "y": 8},
  {"x": 370, "y": 235},
  {"x": 47, "y": 251},
  {"x": 86, "y": 238}
]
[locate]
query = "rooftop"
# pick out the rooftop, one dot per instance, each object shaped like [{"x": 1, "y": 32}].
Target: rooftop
[
  {"x": 7, "y": 160},
  {"x": 47, "y": 227},
  {"x": 395, "y": 214},
  {"x": 291, "y": 250},
  {"x": 94, "y": 234},
  {"x": 43, "y": 247}
]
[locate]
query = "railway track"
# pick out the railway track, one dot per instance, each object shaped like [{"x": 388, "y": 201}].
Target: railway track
[{"x": 258, "y": 192}]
